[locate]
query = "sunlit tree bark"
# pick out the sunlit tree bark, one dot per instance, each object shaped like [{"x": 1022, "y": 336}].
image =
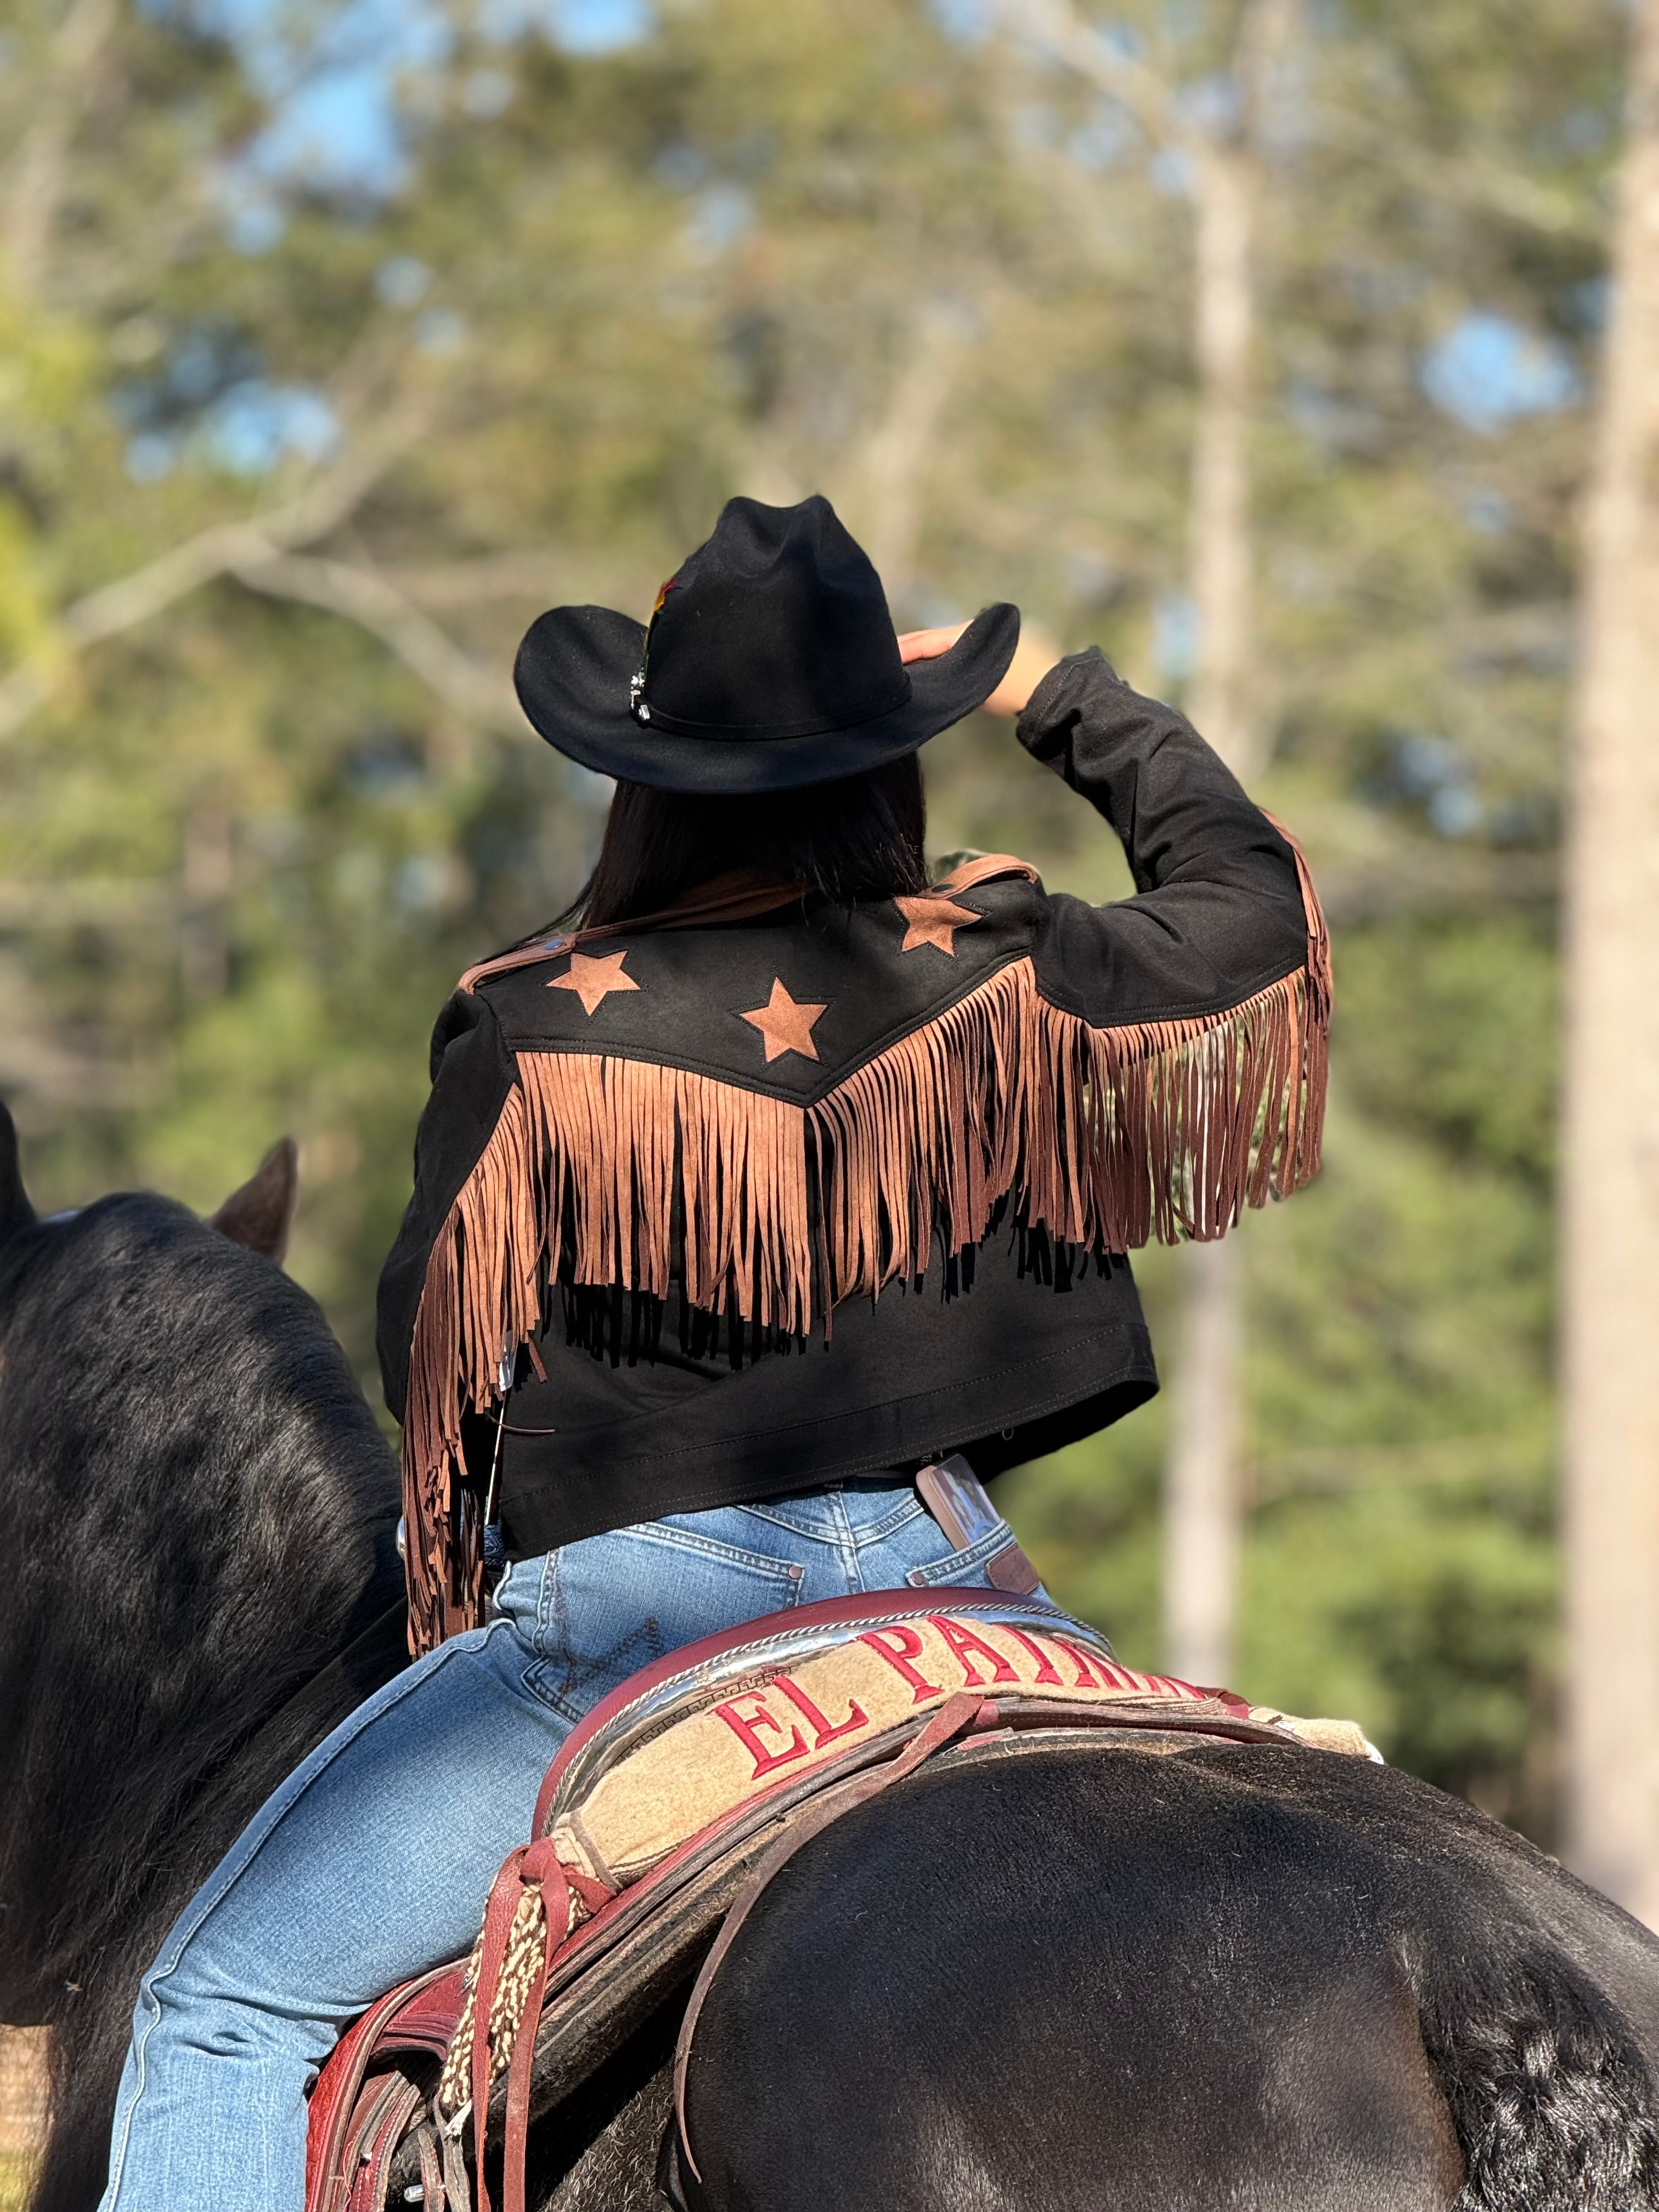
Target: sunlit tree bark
[
  {"x": 34, "y": 187},
  {"x": 1203, "y": 1502},
  {"x": 904, "y": 443},
  {"x": 1611, "y": 1179}
]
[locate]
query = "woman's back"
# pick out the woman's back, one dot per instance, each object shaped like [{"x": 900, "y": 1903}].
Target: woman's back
[{"x": 725, "y": 1131}]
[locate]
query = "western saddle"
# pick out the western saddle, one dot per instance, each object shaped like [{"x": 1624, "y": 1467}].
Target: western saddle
[{"x": 664, "y": 1817}]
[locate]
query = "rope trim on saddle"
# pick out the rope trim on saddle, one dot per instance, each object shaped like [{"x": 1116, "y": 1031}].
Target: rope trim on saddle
[
  {"x": 506, "y": 1975},
  {"x": 737, "y": 1741},
  {"x": 605, "y": 1172}
]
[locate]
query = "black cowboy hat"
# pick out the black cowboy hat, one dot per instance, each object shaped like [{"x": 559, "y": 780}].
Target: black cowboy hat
[{"x": 769, "y": 661}]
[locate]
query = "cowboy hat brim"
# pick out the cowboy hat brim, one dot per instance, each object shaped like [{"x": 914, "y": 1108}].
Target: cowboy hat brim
[{"x": 573, "y": 674}]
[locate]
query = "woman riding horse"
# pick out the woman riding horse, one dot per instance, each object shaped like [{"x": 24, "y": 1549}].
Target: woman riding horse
[{"x": 778, "y": 1174}]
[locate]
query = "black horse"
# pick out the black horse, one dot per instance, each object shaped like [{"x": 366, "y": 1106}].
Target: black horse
[
  {"x": 1234, "y": 1976},
  {"x": 198, "y": 1520}
]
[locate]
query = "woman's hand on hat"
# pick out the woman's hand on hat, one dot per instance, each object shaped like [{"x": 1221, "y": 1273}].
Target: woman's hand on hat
[{"x": 1034, "y": 656}]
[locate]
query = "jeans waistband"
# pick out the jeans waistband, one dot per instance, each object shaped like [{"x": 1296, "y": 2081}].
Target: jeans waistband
[{"x": 863, "y": 1510}]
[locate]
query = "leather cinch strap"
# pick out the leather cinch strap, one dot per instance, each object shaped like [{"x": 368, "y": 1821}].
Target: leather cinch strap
[
  {"x": 960, "y": 1712},
  {"x": 532, "y": 1866}
]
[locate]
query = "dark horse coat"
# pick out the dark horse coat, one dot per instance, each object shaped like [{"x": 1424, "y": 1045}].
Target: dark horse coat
[
  {"x": 1242, "y": 1976},
  {"x": 1235, "y": 1976},
  {"x": 196, "y": 1518}
]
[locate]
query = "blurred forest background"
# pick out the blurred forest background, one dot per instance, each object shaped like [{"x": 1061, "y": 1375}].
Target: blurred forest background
[{"x": 338, "y": 339}]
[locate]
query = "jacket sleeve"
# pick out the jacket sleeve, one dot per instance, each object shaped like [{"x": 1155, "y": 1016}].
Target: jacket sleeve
[
  {"x": 472, "y": 1072},
  {"x": 1218, "y": 913},
  {"x": 1185, "y": 1028}
]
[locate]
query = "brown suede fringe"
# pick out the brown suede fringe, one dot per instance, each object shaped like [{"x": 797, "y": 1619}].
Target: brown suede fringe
[{"x": 604, "y": 1171}]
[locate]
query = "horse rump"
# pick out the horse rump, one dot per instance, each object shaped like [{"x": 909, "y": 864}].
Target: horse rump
[{"x": 1231, "y": 1975}]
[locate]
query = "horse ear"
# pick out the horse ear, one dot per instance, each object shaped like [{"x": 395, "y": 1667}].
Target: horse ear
[
  {"x": 261, "y": 1214},
  {"x": 16, "y": 1211}
]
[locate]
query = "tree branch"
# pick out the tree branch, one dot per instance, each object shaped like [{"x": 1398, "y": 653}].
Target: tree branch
[
  {"x": 898, "y": 450},
  {"x": 224, "y": 549},
  {"x": 1474, "y": 183},
  {"x": 80, "y": 901},
  {"x": 1056, "y": 25},
  {"x": 1265, "y": 34},
  {"x": 369, "y": 600},
  {"x": 527, "y": 572}
]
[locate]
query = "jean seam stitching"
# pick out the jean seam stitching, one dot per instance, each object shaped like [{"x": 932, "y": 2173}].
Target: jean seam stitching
[
  {"x": 791, "y": 1528},
  {"x": 551, "y": 1700},
  {"x": 847, "y": 1550},
  {"x": 764, "y": 1565},
  {"x": 970, "y": 1556},
  {"x": 545, "y": 1602},
  {"x": 899, "y": 1518}
]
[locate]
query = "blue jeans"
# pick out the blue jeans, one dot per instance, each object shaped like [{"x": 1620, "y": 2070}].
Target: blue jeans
[{"x": 374, "y": 1859}]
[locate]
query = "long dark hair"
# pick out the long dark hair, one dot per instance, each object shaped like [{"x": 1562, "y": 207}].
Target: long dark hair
[{"x": 859, "y": 838}]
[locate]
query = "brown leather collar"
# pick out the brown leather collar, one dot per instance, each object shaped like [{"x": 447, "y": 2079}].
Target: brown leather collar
[
  {"x": 736, "y": 895},
  {"x": 733, "y": 897}
]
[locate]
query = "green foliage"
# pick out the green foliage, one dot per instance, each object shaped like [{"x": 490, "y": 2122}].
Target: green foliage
[
  {"x": 16, "y": 2180},
  {"x": 1400, "y": 1561},
  {"x": 1460, "y": 1042}
]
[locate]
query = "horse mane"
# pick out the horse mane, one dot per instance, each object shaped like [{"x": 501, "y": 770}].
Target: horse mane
[{"x": 196, "y": 1512}]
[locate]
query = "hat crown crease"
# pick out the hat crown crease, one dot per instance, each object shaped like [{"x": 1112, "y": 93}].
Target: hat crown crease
[
  {"x": 780, "y": 613},
  {"x": 780, "y": 604}
]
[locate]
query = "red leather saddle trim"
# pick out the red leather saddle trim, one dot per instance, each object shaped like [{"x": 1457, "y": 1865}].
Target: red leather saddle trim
[
  {"x": 827, "y": 1613},
  {"x": 422, "y": 2015},
  {"x": 427, "y": 2021},
  {"x": 335, "y": 2115},
  {"x": 392, "y": 2103}
]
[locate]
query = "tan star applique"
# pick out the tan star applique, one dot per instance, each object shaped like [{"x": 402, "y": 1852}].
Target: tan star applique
[
  {"x": 593, "y": 977},
  {"x": 933, "y": 919},
  {"x": 786, "y": 1026}
]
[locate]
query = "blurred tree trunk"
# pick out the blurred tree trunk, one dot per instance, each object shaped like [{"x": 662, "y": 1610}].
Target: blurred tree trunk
[
  {"x": 904, "y": 443},
  {"x": 35, "y": 186},
  {"x": 1203, "y": 1503},
  {"x": 1202, "y": 1507},
  {"x": 1611, "y": 1162}
]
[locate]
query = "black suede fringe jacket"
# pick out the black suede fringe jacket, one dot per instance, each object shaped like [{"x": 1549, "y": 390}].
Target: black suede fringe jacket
[{"x": 828, "y": 1191}]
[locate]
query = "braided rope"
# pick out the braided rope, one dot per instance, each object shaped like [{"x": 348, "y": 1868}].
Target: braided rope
[{"x": 525, "y": 1950}]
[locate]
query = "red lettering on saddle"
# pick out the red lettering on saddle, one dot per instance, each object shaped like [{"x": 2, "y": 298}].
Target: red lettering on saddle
[
  {"x": 909, "y": 1647},
  {"x": 1046, "y": 1671},
  {"x": 1091, "y": 1674},
  {"x": 966, "y": 1647},
  {"x": 746, "y": 1727},
  {"x": 856, "y": 1716}
]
